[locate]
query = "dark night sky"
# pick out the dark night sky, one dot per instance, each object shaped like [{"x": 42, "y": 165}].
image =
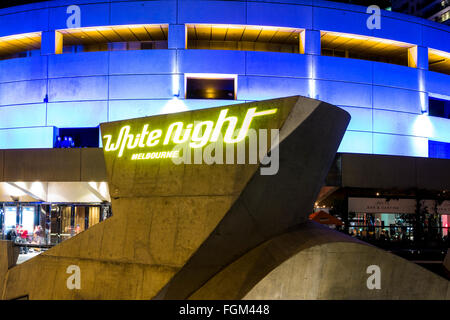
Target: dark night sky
[{"x": 10, "y": 3}]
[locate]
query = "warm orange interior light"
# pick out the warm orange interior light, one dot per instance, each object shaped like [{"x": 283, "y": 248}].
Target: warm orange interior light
[
  {"x": 439, "y": 61},
  {"x": 17, "y": 43}
]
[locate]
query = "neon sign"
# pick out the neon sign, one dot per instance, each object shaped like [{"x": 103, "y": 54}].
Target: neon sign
[
  {"x": 197, "y": 134},
  {"x": 155, "y": 155}
]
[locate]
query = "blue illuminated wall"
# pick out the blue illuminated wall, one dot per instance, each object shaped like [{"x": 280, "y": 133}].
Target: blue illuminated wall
[
  {"x": 438, "y": 149},
  {"x": 85, "y": 89}
]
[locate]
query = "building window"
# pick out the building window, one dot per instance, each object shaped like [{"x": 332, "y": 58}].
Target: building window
[
  {"x": 77, "y": 138},
  {"x": 114, "y": 38},
  {"x": 20, "y": 45},
  {"x": 68, "y": 220},
  {"x": 439, "y": 61},
  {"x": 445, "y": 17},
  {"x": 440, "y": 150},
  {"x": 382, "y": 226},
  {"x": 48, "y": 224},
  {"x": 210, "y": 87},
  {"x": 439, "y": 108},
  {"x": 364, "y": 48},
  {"x": 246, "y": 38}
]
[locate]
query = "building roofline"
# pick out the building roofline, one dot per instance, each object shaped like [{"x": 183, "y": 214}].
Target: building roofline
[{"x": 313, "y": 3}]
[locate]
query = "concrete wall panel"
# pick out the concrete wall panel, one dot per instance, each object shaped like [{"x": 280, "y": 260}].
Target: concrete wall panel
[
  {"x": 399, "y": 123},
  {"x": 36, "y": 137},
  {"x": 22, "y": 92},
  {"x": 128, "y": 109},
  {"x": 23, "y": 22},
  {"x": 140, "y": 12},
  {"x": 400, "y": 145},
  {"x": 140, "y": 87},
  {"x": 328, "y": 19},
  {"x": 342, "y": 69},
  {"x": 78, "y": 64},
  {"x": 212, "y": 61},
  {"x": 86, "y": 164},
  {"x": 432, "y": 38},
  {"x": 77, "y": 114},
  {"x": 399, "y": 76},
  {"x": 257, "y": 88},
  {"x": 278, "y": 64},
  {"x": 399, "y": 30},
  {"x": 92, "y": 165},
  {"x": 226, "y": 12},
  {"x": 32, "y": 115},
  {"x": 438, "y": 128},
  {"x": 142, "y": 62},
  {"x": 343, "y": 93},
  {"x": 279, "y": 15},
  {"x": 356, "y": 141},
  {"x": 361, "y": 118},
  {"x": 397, "y": 99},
  {"x": 26, "y": 165},
  {"x": 78, "y": 89},
  {"x": 21, "y": 69},
  {"x": 437, "y": 83}
]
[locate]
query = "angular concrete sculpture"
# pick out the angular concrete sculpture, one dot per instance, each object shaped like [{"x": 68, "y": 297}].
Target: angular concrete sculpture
[
  {"x": 8, "y": 257},
  {"x": 270, "y": 205},
  {"x": 211, "y": 230},
  {"x": 315, "y": 262}
]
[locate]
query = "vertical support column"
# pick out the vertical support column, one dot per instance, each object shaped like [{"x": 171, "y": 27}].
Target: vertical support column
[
  {"x": 311, "y": 46},
  {"x": 177, "y": 36},
  {"x": 51, "y": 42},
  {"x": 177, "y": 39},
  {"x": 418, "y": 58},
  {"x": 310, "y": 42}
]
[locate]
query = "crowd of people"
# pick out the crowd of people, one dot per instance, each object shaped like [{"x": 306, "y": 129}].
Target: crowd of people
[
  {"x": 18, "y": 234},
  {"x": 65, "y": 142}
]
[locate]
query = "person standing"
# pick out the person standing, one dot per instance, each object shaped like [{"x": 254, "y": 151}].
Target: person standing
[
  {"x": 58, "y": 142},
  {"x": 11, "y": 234},
  {"x": 65, "y": 143},
  {"x": 23, "y": 236}
]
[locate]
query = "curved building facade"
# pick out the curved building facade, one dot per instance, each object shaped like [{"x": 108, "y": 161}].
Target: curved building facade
[
  {"x": 68, "y": 66},
  {"x": 76, "y": 64}
]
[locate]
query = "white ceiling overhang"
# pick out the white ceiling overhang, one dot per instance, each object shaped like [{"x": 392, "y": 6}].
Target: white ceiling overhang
[{"x": 74, "y": 192}]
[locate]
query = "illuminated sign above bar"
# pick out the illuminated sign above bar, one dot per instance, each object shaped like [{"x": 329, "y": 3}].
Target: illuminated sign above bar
[{"x": 197, "y": 134}]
